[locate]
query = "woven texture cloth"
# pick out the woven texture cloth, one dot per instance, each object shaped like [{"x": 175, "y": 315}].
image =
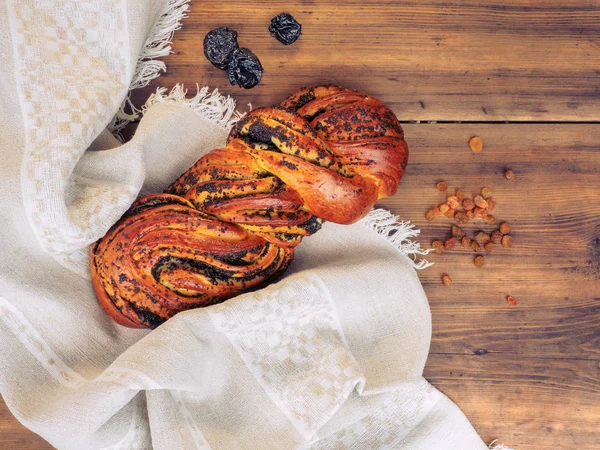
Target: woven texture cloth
[{"x": 330, "y": 357}]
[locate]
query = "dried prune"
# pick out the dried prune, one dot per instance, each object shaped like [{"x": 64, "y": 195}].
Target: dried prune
[
  {"x": 219, "y": 44},
  {"x": 285, "y": 28},
  {"x": 244, "y": 68}
]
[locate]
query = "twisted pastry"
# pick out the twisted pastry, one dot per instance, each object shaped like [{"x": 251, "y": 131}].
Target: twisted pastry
[{"x": 231, "y": 222}]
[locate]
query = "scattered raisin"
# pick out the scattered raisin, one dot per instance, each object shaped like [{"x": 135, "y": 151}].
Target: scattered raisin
[
  {"x": 244, "y": 68},
  {"x": 480, "y": 201},
  {"x": 486, "y": 192},
  {"x": 442, "y": 186},
  {"x": 479, "y": 261},
  {"x": 470, "y": 215},
  {"x": 475, "y": 246},
  {"x": 461, "y": 217},
  {"x": 489, "y": 219},
  {"x": 509, "y": 175},
  {"x": 453, "y": 202},
  {"x": 466, "y": 242},
  {"x": 489, "y": 246},
  {"x": 450, "y": 243},
  {"x": 459, "y": 194},
  {"x": 491, "y": 203},
  {"x": 511, "y": 300},
  {"x": 219, "y": 44},
  {"x": 476, "y": 144},
  {"x": 450, "y": 213},
  {"x": 496, "y": 237},
  {"x": 285, "y": 28},
  {"x": 504, "y": 228},
  {"x": 468, "y": 204},
  {"x": 457, "y": 232},
  {"x": 507, "y": 241},
  {"x": 446, "y": 279},
  {"x": 480, "y": 212},
  {"x": 482, "y": 237},
  {"x": 443, "y": 208},
  {"x": 438, "y": 247},
  {"x": 432, "y": 213}
]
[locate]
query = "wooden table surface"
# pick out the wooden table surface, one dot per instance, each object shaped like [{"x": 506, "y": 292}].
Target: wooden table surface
[{"x": 522, "y": 75}]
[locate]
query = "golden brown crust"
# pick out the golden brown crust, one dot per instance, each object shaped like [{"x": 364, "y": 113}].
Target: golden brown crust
[{"x": 230, "y": 222}]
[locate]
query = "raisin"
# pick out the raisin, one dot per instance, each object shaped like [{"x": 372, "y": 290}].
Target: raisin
[
  {"x": 479, "y": 261},
  {"x": 476, "y": 144},
  {"x": 489, "y": 219},
  {"x": 496, "y": 237},
  {"x": 475, "y": 246},
  {"x": 457, "y": 232},
  {"x": 480, "y": 201},
  {"x": 489, "y": 247},
  {"x": 482, "y": 237},
  {"x": 486, "y": 192},
  {"x": 446, "y": 279},
  {"x": 461, "y": 217},
  {"x": 450, "y": 214},
  {"x": 468, "y": 204},
  {"x": 453, "y": 202},
  {"x": 450, "y": 243},
  {"x": 442, "y": 186},
  {"x": 459, "y": 194},
  {"x": 219, "y": 44},
  {"x": 244, "y": 68},
  {"x": 438, "y": 247},
  {"x": 511, "y": 300},
  {"x": 443, "y": 208},
  {"x": 507, "y": 241},
  {"x": 470, "y": 215},
  {"x": 491, "y": 203},
  {"x": 504, "y": 228},
  {"x": 480, "y": 212},
  {"x": 509, "y": 175},
  {"x": 430, "y": 215},
  {"x": 285, "y": 28},
  {"x": 466, "y": 242}
]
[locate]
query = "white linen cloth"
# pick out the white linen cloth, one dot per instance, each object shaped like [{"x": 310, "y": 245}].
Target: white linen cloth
[{"x": 331, "y": 357}]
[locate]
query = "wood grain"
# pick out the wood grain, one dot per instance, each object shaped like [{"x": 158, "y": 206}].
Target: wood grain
[
  {"x": 529, "y": 374},
  {"x": 464, "y": 60}
]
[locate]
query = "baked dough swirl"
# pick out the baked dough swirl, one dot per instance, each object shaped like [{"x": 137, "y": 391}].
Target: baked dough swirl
[{"x": 231, "y": 222}]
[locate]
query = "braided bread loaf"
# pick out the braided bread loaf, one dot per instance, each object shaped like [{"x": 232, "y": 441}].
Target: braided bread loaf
[{"x": 231, "y": 222}]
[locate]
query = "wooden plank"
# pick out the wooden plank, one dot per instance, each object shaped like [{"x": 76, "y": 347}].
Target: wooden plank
[
  {"x": 525, "y": 403},
  {"x": 448, "y": 60},
  {"x": 526, "y": 374},
  {"x": 14, "y": 436}
]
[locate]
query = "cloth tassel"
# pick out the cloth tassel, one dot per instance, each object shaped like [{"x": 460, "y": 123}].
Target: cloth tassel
[
  {"x": 214, "y": 106},
  {"x": 157, "y": 45},
  {"x": 399, "y": 233},
  {"x": 494, "y": 446}
]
